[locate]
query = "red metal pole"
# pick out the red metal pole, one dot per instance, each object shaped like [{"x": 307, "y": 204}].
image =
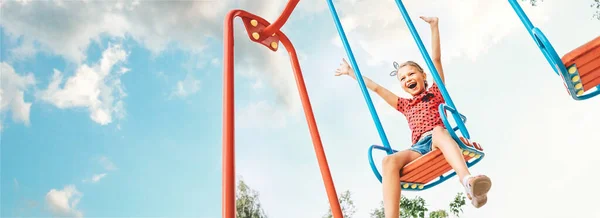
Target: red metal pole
[
  {"x": 336, "y": 210},
  {"x": 228, "y": 189},
  {"x": 276, "y": 26}
]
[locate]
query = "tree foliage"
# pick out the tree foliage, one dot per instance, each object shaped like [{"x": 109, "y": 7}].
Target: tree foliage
[
  {"x": 457, "y": 204},
  {"x": 533, "y": 2},
  {"x": 417, "y": 208},
  {"x": 247, "y": 204},
  {"x": 439, "y": 214},
  {"x": 347, "y": 205},
  {"x": 595, "y": 4}
]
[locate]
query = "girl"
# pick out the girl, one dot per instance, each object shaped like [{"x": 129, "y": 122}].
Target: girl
[{"x": 428, "y": 131}]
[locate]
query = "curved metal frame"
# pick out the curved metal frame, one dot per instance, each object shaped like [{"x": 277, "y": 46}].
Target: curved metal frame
[
  {"x": 550, "y": 54},
  {"x": 228, "y": 188},
  {"x": 463, "y": 147}
]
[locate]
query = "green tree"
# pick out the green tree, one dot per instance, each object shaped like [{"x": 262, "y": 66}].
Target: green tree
[
  {"x": 457, "y": 204},
  {"x": 416, "y": 208},
  {"x": 596, "y": 5},
  {"x": 378, "y": 212},
  {"x": 347, "y": 205},
  {"x": 247, "y": 204},
  {"x": 439, "y": 214},
  {"x": 532, "y": 2}
]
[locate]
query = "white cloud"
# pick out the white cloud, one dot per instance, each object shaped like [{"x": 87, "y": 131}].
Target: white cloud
[
  {"x": 63, "y": 28},
  {"x": 258, "y": 84},
  {"x": 23, "y": 51},
  {"x": 469, "y": 29},
  {"x": 186, "y": 87},
  {"x": 12, "y": 91},
  {"x": 95, "y": 178},
  {"x": 64, "y": 202},
  {"x": 215, "y": 61},
  {"x": 260, "y": 114},
  {"x": 156, "y": 25},
  {"x": 97, "y": 88},
  {"x": 107, "y": 163}
]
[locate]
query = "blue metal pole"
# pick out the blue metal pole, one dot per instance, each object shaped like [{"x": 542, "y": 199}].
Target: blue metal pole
[
  {"x": 432, "y": 68},
  {"x": 524, "y": 19},
  {"x": 531, "y": 30},
  {"x": 359, "y": 78}
]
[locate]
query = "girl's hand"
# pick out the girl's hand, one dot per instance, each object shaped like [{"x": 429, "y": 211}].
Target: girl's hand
[
  {"x": 431, "y": 20},
  {"x": 344, "y": 69}
]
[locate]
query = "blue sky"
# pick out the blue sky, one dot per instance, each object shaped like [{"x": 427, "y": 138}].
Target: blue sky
[{"x": 133, "y": 125}]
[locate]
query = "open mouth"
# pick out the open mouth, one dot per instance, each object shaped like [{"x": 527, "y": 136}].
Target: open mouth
[{"x": 411, "y": 85}]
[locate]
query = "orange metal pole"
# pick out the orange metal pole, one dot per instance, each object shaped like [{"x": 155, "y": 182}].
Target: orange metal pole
[
  {"x": 336, "y": 210},
  {"x": 228, "y": 178},
  {"x": 275, "y": 26},
  {"x": 228, "y": 186}
]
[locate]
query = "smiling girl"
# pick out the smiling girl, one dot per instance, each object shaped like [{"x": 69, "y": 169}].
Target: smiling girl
[{"x": 428, "y": 131}]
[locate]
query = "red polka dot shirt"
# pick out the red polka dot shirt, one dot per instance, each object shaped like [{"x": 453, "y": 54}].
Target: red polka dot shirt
[{"x": 422, "y": 112}]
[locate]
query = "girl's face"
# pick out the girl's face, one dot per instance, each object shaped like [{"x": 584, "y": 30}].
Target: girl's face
[{"x": 411, "y": 80}]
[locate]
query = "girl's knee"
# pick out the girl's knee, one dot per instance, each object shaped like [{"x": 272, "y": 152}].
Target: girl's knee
[
  {"x": 395, "y": 161},
  {"x": 388, "y": 161}
]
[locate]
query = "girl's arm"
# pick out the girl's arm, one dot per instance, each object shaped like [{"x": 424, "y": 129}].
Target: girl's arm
[
  {"x": 387, "y": 95},
  {"x": 436, "y": 54}
]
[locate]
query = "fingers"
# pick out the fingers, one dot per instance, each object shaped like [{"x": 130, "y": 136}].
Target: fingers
[
  {"x": 429, "y": 19},
  {"x": 343, "y": 65}
]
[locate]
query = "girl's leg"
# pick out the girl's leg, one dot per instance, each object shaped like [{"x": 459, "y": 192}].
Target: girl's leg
[
  {"x": 392, "y": 164},
  {"x": 477, "y": 187},
  {"x": 442, "y": 140}
]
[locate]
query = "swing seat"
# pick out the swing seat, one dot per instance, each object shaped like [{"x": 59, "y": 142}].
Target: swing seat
[
  {"x": 583, "y": 66},
  {"x": 432, "y": 168},
  {"x": 579, "y": 69},
  {"x": 425, "y": 169}
]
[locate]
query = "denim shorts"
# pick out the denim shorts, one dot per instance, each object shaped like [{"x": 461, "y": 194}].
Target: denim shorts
[{"x": 423, "y": 146}]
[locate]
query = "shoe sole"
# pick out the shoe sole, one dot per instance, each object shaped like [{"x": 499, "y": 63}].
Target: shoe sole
[
  {"x": 481, "y": 185},
  {"x": 479, "y": 201}
]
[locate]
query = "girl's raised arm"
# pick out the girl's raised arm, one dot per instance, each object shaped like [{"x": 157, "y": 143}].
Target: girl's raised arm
[
  {"x": 436, "y": 53},
  {"x": 387, "y": 95}
]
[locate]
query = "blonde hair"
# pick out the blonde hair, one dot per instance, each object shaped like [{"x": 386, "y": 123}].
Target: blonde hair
[{"x": 414, "y": 64}]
